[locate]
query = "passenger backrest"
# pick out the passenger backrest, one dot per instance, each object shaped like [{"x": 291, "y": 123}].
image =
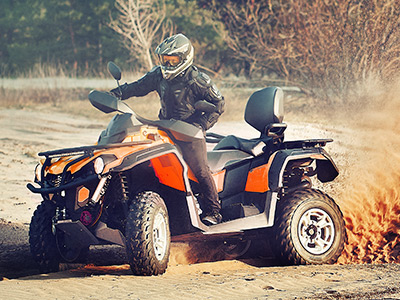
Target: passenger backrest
[{"x": 264, "y": 107}]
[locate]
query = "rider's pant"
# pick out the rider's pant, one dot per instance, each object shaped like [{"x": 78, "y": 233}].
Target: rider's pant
[{"x": 195, "y": 155}]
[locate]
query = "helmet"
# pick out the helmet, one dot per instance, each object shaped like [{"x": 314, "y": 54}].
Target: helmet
[{"x": 175, "y": 54}]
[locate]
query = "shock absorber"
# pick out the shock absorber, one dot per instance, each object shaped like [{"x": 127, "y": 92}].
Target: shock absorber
[
  {"x": 122, "y": 194},
  {"x": 101, "y": 189},
  {"x": 124, "y": 188},
  {"x": 285, "y": 182}
]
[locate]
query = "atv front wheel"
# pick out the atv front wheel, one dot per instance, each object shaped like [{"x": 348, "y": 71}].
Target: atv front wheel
[
  {"x": 42, "y": 240},
  {"x": 309, "y": 229},
  {"x": 147, "y": 235}
]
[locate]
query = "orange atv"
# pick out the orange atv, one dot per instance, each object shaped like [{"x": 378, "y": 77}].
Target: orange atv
[{"x": 134, "y": 189}]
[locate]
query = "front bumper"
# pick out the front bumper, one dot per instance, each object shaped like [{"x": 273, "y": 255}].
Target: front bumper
[{"x": 63, "y": 187}]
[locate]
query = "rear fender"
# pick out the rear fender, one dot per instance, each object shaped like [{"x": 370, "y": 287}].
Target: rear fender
[{"x": 326, "y": 168}]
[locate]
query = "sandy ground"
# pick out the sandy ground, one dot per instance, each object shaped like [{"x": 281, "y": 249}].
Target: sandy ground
[{"x": 105, "y": 274}]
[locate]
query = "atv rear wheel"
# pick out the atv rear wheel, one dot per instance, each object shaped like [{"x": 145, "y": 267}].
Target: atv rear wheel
[
  {"x": 309, "y": 229},
  {"x": 42, "y": 240},
  {"x": 147, "y": 235}
]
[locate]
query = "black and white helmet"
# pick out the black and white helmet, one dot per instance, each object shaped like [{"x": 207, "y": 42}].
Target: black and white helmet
[{"x": 175, "y": 54}]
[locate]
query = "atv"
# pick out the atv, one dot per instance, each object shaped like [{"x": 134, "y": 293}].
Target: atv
[{"x": 132, "y": 188}]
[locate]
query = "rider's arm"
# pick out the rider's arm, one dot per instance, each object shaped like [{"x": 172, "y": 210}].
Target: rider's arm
[
  {"x": 142, "y": 86},
  {"x": 209, "y": 92}
]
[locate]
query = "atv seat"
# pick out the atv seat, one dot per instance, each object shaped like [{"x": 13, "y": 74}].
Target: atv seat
[
  {"x": 264, "y": 112},
  {"x": 253, "y": 147},
  {"x": 217, "y": 160}
]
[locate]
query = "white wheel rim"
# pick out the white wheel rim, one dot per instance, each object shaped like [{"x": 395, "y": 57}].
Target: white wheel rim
[
  {"x": 316, "y": 231},
  {"x": 160, "y": 237}
]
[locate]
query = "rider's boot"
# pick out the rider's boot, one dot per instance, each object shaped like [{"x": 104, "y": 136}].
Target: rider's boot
[{"x": 212, "y": 218}]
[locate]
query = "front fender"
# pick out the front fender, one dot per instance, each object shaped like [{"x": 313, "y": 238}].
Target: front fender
[
  {"x": 170, "y": 169},
  {"x": 166, "y": 161}
]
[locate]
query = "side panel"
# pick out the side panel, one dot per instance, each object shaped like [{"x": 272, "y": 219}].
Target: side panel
[
  {"x": 219, "y": 179},
  {"x": 257, "y": 180},
  {"x": 235, "y": 179},
  {"x": 169, "y": 171}
]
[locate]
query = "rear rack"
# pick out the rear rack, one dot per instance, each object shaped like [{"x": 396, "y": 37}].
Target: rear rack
[
  {"x": 88, "y": 150},
  {"x": 305, "y": 143}
]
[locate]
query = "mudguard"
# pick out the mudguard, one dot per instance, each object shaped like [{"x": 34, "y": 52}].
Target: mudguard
[
  {"x": 166, "y": 161},
  {"x": 170, "y": 169},
  {"x": 326, "y": 168},
  {"x": 143, "y": 155}
]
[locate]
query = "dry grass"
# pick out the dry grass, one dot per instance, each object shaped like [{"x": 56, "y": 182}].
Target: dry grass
[
  {"x": 72, "y": 99},
  {"x": 50, "y": 87},
  {"x": 70, "y": 95}
]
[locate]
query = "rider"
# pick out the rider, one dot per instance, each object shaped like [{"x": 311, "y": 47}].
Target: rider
[{"x": 180, "y": 85}]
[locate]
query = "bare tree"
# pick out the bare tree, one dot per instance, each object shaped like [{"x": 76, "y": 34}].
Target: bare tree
[
  {"x": 141, "y": 22},
  {"x": 329, "y": 46}
]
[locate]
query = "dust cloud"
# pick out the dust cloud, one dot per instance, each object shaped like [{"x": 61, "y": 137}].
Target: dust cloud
[
  {"x": 370, "y": 199},
  {"x": 199, "y": 252}
]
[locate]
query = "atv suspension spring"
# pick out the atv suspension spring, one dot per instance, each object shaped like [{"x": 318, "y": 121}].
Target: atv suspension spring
[
  {"x": 124, "y": 188},
  {"x": 294, "y": 179},
  {"x": 285, "y": 181}
]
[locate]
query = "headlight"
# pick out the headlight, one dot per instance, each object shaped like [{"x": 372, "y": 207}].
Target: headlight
[
  {"x": 99, "y": 165},
  {"x": 38, "y": 173}
]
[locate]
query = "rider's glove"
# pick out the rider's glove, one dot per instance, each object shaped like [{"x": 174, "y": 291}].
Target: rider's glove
[
  {"x": 116, "y": 92},
  {"x": 119, "y": 91}
]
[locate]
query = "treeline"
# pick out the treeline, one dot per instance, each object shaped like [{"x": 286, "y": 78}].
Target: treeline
[
  {"x": 75, "y": 35},
  {"x": 72, "y": 34},
  {"x": 333, "y": 48}
]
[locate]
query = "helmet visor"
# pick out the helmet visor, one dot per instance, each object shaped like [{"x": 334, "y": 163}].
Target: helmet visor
[{"x": 170, "y": 60}]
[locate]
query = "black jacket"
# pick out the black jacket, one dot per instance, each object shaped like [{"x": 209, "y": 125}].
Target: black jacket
[{"x": 179, "y": 95}]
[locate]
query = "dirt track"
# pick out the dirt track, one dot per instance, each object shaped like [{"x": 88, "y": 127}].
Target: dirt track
[
  {"x": 106, "y": 272},
  {"x": 216, "y": 280},
  {"x": 24, "y": 133}
]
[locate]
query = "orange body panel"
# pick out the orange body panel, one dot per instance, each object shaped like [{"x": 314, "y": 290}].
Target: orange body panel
[
  {"x": 169, "y": 171},
  {"x": 167, "y": 168},
  {"x": 191, "y": 175},
  {"x": 146, "y": 133},
  {"x": 257, "y": 179},
  {"x": 318, "y": 156},
  {"x": 120, "y": 153}
]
